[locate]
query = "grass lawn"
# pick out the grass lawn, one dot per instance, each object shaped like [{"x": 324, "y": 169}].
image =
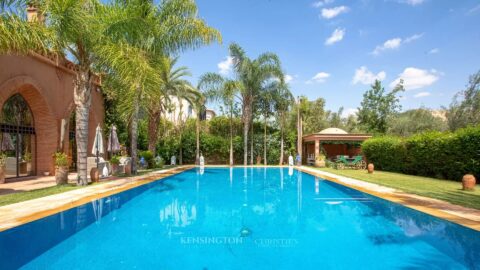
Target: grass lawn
[
  {"x": 446, "y": 190},
  {"x": 33, "y": 194}
]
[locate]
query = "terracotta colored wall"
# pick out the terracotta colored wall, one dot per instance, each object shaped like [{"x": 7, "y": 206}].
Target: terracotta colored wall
[{"x": 48, "y": 90}]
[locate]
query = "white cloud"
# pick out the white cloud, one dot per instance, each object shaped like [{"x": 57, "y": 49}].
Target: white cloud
[
  {"x": 319, "y": 77},
  {"x": 413, "y": 38},
  {"x": 329, "y": 13},
  {"x": 434, "y": 51},
  {"x": 390, "y": 44},
  {"x": 412, "y": 2},
  {"x": 322, "y": 3},
  {"x": 349, "y": 111},
  {"x": 336, "y": 36},
  {"x": 288, "y": 78},
  {"x": 422, "y": 94},
  {"x": 415, "y": 78},
  {"x": 225, "y": 66},
  {"x": 473, "y": 10},
  {"x": 395, "y": 43},
  {"x": 365, "y": 76}
]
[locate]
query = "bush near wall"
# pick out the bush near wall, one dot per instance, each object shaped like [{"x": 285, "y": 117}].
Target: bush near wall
[{"x": 442, "y": 155}]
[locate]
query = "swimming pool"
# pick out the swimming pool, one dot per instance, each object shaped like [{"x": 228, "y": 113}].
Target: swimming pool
[{"x": 240, "y": 218}]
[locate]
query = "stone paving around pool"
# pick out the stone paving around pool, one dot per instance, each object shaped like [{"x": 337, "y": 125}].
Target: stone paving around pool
[
  {"x": 467, "y": 217},
  {"x": 23, "y": 212}
]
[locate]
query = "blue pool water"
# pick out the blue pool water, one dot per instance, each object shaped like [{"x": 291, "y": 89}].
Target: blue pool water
[{"x": 241, "y": 218}]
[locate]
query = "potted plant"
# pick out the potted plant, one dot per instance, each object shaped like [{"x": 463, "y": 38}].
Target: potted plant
[
  {"x": 61, "y": 168},
  {"x": 3, "y": 161},
  {"x": 320, "y": 160},
  {"x": 115, "y": 162},
  {"x": 28, "y": 159}
]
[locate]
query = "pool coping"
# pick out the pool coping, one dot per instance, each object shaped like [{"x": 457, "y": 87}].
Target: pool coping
[
  {"x": 467, "y": 217},
  {"x": 17, "y": 214}
]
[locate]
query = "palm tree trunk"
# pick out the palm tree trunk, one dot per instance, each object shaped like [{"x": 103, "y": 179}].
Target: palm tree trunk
[
  {"x": 180, "y": 155},
  {"x": 265, "y": 140},
  {"x": 153, "y": 122},
  {"x": 82, "y": 99},
  {"x": 246, "y": 127},
  {"x": 281, "y": 140},
  {"x": 251, "y": 141},
  {"x": 134, "y": 134},
  {"x": 197, "y": 153},
  {"x": 231, "y": 136},
  {"x": 252, "y": 155}
]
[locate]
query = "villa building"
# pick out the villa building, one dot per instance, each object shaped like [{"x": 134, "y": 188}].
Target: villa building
[
  {"x": 180, "y": 110},
  {"x": 38, "y": 113},
  {"x": 333, "y": 142}
]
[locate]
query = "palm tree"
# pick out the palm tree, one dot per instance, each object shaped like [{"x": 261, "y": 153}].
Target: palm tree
[
  {"x": 167, "y": 28},
  {"x": 283, "y": 100},
  {"x": 265, "y": 106},
  {"x": 275, "y": 97},
  {"x": 252, "y": 74},
  {"x": 192, "y": 96},
  {"x": 60, "y": 34},
  {"x": 217, "y": 88},
  {"x": 117, "y": 37},
  {"x": 200, "y": 109},
  {"x": 172, "y": 82}
]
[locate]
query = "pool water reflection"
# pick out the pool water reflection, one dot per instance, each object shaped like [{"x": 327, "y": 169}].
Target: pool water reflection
[{"x": 241, "y": 218}]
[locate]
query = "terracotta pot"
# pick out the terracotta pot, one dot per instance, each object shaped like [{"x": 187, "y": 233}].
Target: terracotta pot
[
  {"x": 94, "y": 175},
  {"x": 259, "y": 160},
  {"x": 468, "y": 182},
  {"x": 128, "y": 168},
  {"x": 320, "y": 163},
  {"x": 115, "y": 168},
  {"x": 61, "y": 175},
  {"x": 2, "y": 175},
  {"x": 370, "y": 167}
]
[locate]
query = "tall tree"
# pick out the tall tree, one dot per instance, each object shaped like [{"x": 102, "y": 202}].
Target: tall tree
[
  {"x": 172, "y": 82},
  {"x": 283, "y": 100},
  {"x": 60, "y": 34},
  {"x": 217, "y": 88},
  {"x": 167, "y": 28},
  {"x": 465, "y": 107},
  {"x": 253, "y": 74},
  {"x": 415, "y": 121},
  {"x": 378, "y": 106}
]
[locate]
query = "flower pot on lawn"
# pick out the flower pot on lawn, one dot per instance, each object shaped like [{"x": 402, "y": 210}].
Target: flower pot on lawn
[
  {"x": 468, "y": 182},
  {"x": 370, "y": 168},
  {"x": 61, "y": 175}
]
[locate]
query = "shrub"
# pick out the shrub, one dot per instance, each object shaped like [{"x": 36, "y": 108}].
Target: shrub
[
  {"x": 115, "y": 160},
  {"x": 61, "y": 159},
  {"x": 148, "y": 156},
  {"x": 387, "y": 153},
  {"x": 442, "y": 155}
]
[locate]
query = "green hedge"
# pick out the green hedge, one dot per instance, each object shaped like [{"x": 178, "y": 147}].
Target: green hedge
[{"x": 442, "y": 155}]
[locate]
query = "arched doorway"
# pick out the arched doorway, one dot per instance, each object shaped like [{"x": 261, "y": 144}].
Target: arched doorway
[{"x": 17, "y": 137}]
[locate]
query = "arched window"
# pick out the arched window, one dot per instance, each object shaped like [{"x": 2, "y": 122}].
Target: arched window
[{"x": 17, "y": 137}]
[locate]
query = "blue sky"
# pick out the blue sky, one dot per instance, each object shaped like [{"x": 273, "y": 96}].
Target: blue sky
[{"x": 334, "y": 49}]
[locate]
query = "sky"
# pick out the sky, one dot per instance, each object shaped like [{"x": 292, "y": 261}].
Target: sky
[{"x": 335, "y": 49}]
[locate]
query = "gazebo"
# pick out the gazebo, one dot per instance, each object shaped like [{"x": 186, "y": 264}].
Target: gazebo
[{"x": 333, "y": 142}]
